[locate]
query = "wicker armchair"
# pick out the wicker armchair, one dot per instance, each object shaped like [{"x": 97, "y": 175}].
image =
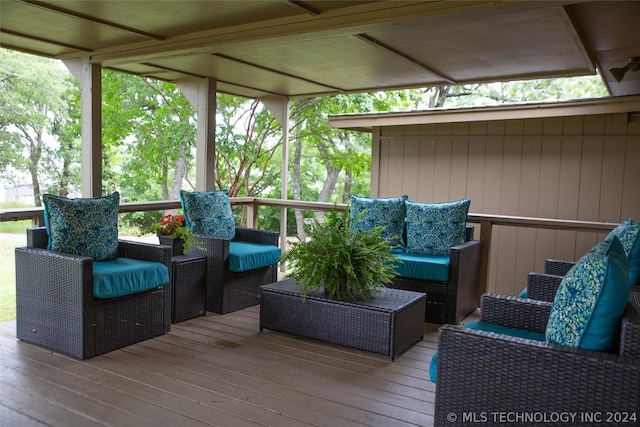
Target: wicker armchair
[
  {"x": 543, "y": 286},
  {"x": 483, "y": 374},
  {"x": 455, "y": 299},
  {"x": 56, "y": 308},
  {"x": 227, "y": 290}
]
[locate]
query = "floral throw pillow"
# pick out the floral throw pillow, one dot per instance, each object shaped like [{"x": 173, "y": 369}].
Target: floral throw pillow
[
  {"x": 208, "y": 213},
  {"x": 365, "y": 214},
  {"x": 86, "y": 227},
  {"x": 629, "y": 234},
  {"x": 433, "y": 228},
  {"x": 591, "y": 299}
]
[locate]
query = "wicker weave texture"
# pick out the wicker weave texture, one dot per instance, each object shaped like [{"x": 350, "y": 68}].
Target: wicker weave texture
[
  {"x": 189, "y": 287},
  {"x": 388, "y": 324},
  {"x": 455, "y": 299},
  {"x": 482, "y": 373},
  {"x": 557, "y": 267},
  {"x": 229, "y": 291},
  {"x": 55, "y": 307}
]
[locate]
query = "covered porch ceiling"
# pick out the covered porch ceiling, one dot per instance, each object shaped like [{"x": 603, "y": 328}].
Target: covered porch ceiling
[{"x": 307, "y": 48}]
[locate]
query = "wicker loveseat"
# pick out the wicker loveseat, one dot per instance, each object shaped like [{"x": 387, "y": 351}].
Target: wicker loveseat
[
  {"x": 451, "y": 300},
  {"x": 56, "y": 307},
  {"x": 437, "y": 252}
]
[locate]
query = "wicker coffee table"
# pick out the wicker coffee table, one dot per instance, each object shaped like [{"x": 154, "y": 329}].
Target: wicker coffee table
[{"x": 390, "y": 323}]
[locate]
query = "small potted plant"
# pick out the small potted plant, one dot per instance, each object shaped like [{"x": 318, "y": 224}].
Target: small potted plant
[
  {"x": 344, "y": 262},
  {"x": 173, "y": 231}
]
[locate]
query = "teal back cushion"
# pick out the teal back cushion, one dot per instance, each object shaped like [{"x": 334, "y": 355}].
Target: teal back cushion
[
  {"x": 591, "y": 299},
  {"x": 365, "y": 214},
  {"x": 433, "y": 228},
  {"x": 208, "y": 213},
  {"x": 86, "y": 227},
  {"x": 629, "y": 234}
]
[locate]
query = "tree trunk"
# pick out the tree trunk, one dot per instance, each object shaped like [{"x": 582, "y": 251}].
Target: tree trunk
[
  {"x": 179, "y": 173},
  {"x": 297, "y": 189},
  {"x": 329, "y": 185},
  {"x": 348, "y": 183},
  {"x": 65, "y": 175}
]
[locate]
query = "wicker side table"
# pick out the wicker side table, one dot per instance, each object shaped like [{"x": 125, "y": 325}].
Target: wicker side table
[
  {"x": 189, "y": 287},
  {"x": 389, "y": 323}
]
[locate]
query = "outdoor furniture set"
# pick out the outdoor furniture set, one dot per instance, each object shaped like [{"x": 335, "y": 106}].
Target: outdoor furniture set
[
  {"x": 570, "y": 345},
  {"x": 75, "y": 298}
]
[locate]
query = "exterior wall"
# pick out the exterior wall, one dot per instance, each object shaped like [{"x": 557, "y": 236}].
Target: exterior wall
[{"x": 577, "y": 168}]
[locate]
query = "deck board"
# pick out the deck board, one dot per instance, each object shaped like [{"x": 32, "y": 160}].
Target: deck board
[{"x": 217, "y": 370}]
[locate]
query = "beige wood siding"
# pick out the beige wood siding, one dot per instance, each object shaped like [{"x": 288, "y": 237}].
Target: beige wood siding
[{"x": 583, "y": 167}]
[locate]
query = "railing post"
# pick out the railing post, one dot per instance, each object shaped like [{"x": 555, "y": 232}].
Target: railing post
[
  {"x": 252, "y": 214},
  {"x": 486, "y": 231}
]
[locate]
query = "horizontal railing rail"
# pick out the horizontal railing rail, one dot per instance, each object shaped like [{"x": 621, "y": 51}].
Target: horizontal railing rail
[{"x": 252, "y": 204}]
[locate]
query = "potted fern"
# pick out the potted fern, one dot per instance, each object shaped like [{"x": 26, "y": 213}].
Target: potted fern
[{"x": 342, "y": 261}]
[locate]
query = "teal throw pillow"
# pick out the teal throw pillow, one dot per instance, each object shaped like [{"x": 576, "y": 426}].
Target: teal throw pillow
[
  {"x": 591, "y": 299},
  {"x": 365, "y": 214},
  {"x": 87, "y": 227},
  {"x": 208, "y": 213},
  {"x": 629, "y": 234},
  {"x": 432, "y": 229}
]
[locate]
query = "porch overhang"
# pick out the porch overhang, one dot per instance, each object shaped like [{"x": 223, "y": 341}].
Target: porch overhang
[{"x": 309, "y": 48}]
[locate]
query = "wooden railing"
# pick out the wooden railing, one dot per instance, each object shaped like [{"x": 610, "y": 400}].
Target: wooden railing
[{"x": 252, "y": 204}]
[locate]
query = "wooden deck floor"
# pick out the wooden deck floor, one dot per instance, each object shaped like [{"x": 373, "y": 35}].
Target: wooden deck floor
[{"x": 216, "y": 371}]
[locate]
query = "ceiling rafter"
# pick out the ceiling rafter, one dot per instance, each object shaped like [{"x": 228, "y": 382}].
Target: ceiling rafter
[
  {"x": 304, "y": 7},
  {"x": 380, "y": 45},
  {"x": 67, "y": 12},
  {"x": 43, "y": 40},
  {"x": 347, "y": 21},
  {"x": 282, "y": 73}
]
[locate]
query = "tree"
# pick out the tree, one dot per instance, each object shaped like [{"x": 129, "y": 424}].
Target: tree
[
  {"x": 34, "y": 93},
  {"x": 247, "y": 139},
  {"x": 149, "y": 128},
  {"x": 340, "y": 153}
]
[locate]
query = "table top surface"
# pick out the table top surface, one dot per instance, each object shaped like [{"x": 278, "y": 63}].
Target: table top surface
[{"x": 388, "y": 298}]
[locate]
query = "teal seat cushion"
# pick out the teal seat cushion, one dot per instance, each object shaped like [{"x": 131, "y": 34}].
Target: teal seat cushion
[
  {"x": 245, "y": 256},
  {"x": 628, "y": 232},
  {"x": 124, "y": 276},
  {"x": 488, "y": 327},
  {"x": 591, "y": 299},
  {"x": 425, "y": 267},
  {"x": 365, "y": 214},
  {"x": 208, "y": 213},
  {"x": 434, "y": 228},
  {"x": 433, "y": 368},
  {"x": 499, "y": 329},
  {"x": 86, "y": 227}
]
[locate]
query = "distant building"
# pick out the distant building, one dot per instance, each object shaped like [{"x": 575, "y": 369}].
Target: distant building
[{"x": 22, "y": 194}]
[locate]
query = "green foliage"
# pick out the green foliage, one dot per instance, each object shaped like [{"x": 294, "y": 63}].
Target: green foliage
[
  {"x": 38, "y": 132},
  {"x": 248, "y": 138},
  {"x": 148, "y": 127},
  {"x": 345, "y": 262},
  {"x": 149, "y": 134}
]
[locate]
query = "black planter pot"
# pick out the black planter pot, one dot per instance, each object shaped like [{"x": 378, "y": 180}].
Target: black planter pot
[{"x": 176, "y": 244}]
